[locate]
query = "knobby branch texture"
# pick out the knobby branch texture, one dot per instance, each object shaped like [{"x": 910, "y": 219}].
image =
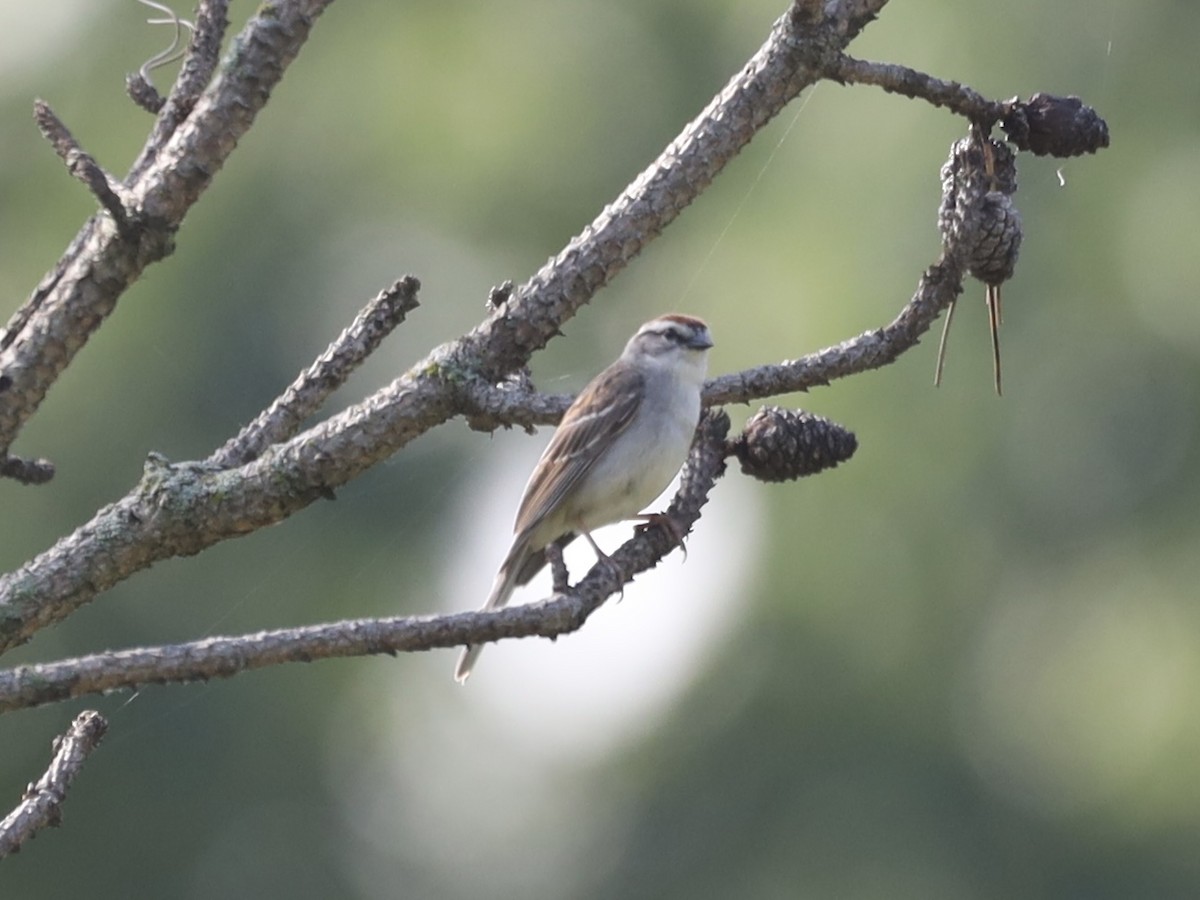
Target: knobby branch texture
[
  {"x": 271, "y": 469},
  {"x": 42, "y": 803},
  {"x": 142, "y": 214},
  {"x": 180, "y": 510},
  {"x": 223, "y": 657}
]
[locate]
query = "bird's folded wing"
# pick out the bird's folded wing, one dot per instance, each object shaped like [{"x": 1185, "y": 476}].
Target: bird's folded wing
[{"x": 589, "y": 427}]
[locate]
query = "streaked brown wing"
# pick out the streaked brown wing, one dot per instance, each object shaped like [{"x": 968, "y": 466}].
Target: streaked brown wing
[{"x": 580, "y": 440}]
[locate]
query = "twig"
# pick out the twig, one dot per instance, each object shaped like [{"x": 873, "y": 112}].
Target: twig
[
  {"x": 792, "y": 58},
  {"x": 81, "y": 164},
  {"x": 26, "y": 471},
  {"x": 305, "y": 395},
  {"x": 509, "y": 404},
  {"x": 101, "y": 262},
  {"x": 941, "y": 284},
  {"x": 491, "y": 407},
  {"x": 42, "y": 803},
  {"x": 897, "y": 79},
  {"x": 199, "y": 64},
  {"x": 223, "y": 657},
  {"x": 182, "y": 510}
]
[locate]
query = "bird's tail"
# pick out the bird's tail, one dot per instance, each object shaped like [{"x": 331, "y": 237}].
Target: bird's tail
[{"x": 506, "y": 580}]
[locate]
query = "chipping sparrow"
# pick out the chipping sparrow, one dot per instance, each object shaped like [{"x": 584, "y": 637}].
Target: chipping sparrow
[{"x": 617, "y": 448}]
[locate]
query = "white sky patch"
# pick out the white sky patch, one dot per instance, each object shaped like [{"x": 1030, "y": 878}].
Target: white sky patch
[
  {"x": 597, "y": 688},
  {"x": 485, "y": 786}
]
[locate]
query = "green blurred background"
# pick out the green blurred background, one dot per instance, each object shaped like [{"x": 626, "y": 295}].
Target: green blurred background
[{"x": 964, "y": 665}]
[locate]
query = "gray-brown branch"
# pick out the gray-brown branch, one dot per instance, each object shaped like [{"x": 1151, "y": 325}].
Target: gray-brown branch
[
  {"x": 223, "y": 657},
  {"x": 42, "y": 803},
  {"x": 897, "y": 79},
  {"x": 270, "y": 472},
  {"x": 180, "y": 510},
  {"x": 103, "y": 260},
  {"x": 283, "y": 418}
]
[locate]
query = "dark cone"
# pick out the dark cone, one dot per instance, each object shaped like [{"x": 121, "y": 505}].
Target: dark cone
[
  {"x": 978, "y": 218},
  {"x": 997, "y": 240},
  {"x": 1054, "y": 126},
  {"x": 975, "y": 172},
  {"x": 784, "y": 444}
]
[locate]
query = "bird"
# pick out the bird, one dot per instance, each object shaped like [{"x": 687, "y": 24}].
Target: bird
[{"x": 617, "y": 447}]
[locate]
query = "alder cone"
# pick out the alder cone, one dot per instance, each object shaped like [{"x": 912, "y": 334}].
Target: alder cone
[{"x": 780, "y": 444}]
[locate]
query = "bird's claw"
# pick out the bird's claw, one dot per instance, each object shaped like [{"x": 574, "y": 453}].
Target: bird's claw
[{"x": 668, "y": 524}]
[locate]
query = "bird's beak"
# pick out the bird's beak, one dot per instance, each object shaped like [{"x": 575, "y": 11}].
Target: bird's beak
[{"x": 701, "y": 340}]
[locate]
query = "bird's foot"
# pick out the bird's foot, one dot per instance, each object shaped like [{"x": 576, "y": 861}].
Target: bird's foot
[
  {"x": 667, "y": 524},
  {"x": 603, "y": 559}
]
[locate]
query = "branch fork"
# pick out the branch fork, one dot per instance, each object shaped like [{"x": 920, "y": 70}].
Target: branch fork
[{"x": 273, "y": 468}]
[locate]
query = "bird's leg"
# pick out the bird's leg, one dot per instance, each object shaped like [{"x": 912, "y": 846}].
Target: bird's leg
[
  {"x": 667, "y": 524},
  {"x": 605, "y": 560},
  {"x": 558, "y": 569}
]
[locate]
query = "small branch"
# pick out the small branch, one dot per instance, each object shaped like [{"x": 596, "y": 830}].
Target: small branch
[
  {"x": 139, "y": 86},
  {"x": 489, "y": 407},
  {"x": 511, "y": 403},
  {"x": 304, "y": 397},
  {"x": 897, "y": 79},
  {"x": 42, "y": 803},
  {"x": 26, "y": 471},
  {"x": 224, "y": 657},
  {"x": 939, "y": 286},
  {"x": 81, "y": 164},
  {"x": 184, "y": 509},
  {"x": 204, "y": 52},
  {"x": 792, "y": 58},
  {"x": 199, "y": 64},
  {"x": 80, "y": 292},
  {"x": 143, "y": 93}
]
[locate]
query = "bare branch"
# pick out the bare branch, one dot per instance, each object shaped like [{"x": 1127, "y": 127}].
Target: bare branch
[
  {"x": 26, "y": 471},
  {"x": 42, "y": 803},
  {"x": 507, "y": 405},
  {"x": 329, "y": 372},
  {"x": 102, "y": 261},
  {"x": 81, "y": 164},
  {"x": 791, "y": 59},
  {"x": 939, "y": 286},
  {"x": 223, "y": 657},
  {"x": 203, "y": 53},
  {"x": 897, "y": 79},
  {"x": 510, "y": 403},
  {"x": 181, "y": 510}
]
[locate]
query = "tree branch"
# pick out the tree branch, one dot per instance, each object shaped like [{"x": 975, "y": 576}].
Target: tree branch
[
  {"x": 42, "y": 803},
  {"x": 26, "y": 471},
  {"x": 305, "y": 395},
  {"x": 199, "y": 64},
  {"x": 939, "y": 286},
  {"x": 81, "y": 164},
  {"x": 269, "y": 472},
  {"x": 897, "y": 79},
  {"x": 180, "y": 510},
  {"x": 224, "y": 657},
  {"x": 103, "y": 260}
]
